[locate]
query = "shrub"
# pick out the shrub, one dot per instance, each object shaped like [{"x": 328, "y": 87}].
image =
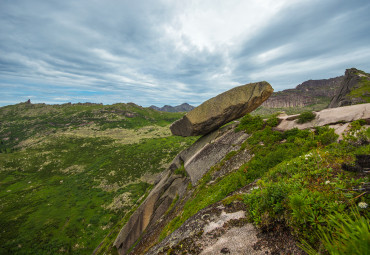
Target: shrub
[
  {"x": 325, "y": 135},
  {"x": 306, "y": 117},
  {"x": 273, "y": 121},
  {"x": 250, "y": 124}
]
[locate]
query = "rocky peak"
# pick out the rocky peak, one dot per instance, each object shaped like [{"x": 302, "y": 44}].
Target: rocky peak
[
  {"x": 354, "y": 89},
  {"x": 306, "y": 93}
]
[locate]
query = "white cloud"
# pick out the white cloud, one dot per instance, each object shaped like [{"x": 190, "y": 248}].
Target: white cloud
[
  {"x": 170, "y": 52},
  {"x": 211, "y": 24}
]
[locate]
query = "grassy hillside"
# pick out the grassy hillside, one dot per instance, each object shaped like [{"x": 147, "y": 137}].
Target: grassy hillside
[{"x": 70, "y": 173}]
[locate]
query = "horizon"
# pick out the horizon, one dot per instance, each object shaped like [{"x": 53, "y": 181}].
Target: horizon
[
  {"x": 159, "y": 106},
  {"x": 166, "y": 53}
]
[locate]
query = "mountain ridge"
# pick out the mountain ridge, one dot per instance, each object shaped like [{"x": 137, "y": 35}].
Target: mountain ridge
[{"x": 185, "y": 107}]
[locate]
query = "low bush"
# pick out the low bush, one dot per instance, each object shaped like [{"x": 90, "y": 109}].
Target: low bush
[
  {"x": 250, "y": 124},
  {"x": 306, "y": 117}
]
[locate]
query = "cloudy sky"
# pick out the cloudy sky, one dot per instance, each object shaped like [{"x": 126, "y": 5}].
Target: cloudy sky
[{"x": 173, "y": 51}]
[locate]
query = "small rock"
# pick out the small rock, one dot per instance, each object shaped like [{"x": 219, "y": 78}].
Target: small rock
[{"x": 225, "y": 251}]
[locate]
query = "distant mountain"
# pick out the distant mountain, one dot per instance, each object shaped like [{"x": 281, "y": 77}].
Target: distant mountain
[
  {"x": 185, "y": 107},
  {"x": 308, "y": 93}
]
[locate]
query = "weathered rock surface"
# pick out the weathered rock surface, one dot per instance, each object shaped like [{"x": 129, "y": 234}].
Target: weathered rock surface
[
  {"x": 155, "y": 205},
  {"x": 223, "y": 229},
  {"x": 337, "y": 117},
  {"x": 222, "y": 109},
  {"x": 353, "y": 79},
  {"x": 197, "y": 160},
  {"x": 208, "y": 151},
  {"x": 307, "y": 93}
]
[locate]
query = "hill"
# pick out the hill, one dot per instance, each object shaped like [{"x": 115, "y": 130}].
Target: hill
[{"x": 70, "y": 174}]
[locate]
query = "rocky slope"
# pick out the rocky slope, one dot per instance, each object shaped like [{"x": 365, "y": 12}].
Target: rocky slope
[
  {"x": 196, "y": 207},
  {"x": 219, "y": 226},
  {"x": 308, "y": 93},
  {"x": 185, "y": 107}
]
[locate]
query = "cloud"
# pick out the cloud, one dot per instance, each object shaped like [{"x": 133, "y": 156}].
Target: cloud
[{"x": 170, "y": 52}]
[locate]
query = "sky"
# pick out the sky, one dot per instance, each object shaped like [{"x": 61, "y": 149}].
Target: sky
[{"x": 158, "y": 52}]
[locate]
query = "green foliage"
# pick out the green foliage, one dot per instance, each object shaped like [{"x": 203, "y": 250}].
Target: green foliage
[
  {"x": 70, "y": 192},
  {"x": 272, "y": 121},
  {"x": 250, "y": 124},
  {"x": 357, "y": 134},
  {"x": 350, "y": 234},
  {"x": 22, "y": 121},
  {"x": 303, "y": 192},
  {"x": 325, "y": 135},
  {"x": 362, "y": 90},
  {"x": 306, "y": 117},
  {"x": 181, "y": 171}
]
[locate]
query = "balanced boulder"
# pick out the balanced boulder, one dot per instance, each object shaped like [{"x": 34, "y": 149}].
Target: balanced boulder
[{"x": 222, "y": 109}]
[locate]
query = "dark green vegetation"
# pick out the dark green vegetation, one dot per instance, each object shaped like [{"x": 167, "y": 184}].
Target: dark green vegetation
[
  {"x": 70, "y": 175},
  {"x": 302, "y": 184},
  {"x": 362, "y": 90},
  {"x": 313, "y": 195},
  {"x": 306, "y": 117}
]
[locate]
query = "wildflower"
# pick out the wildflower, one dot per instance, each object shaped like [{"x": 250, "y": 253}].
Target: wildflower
[
  {"x": 362, "y": 205},
  {"x": 256, "y": 187},
  {"x": 327, "y": 182}
]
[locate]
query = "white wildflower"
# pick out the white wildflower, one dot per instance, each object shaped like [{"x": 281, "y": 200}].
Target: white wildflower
[
  {"x": 362, "y": 205},
  {"x": 327, "y": 182}
]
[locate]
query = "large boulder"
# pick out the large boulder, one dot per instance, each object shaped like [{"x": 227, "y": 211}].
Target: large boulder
[{"x": 222, "y": 109}]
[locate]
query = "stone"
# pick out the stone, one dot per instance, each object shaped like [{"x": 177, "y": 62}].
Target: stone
[
  {"x": 332, "y": 116},
  {"x": 156, "y": 204},
  {"x": 208, "y": 151},
  {"x": 222, "y": 109}
]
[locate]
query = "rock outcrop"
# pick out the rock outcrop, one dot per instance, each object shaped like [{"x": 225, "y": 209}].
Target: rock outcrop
[
  {"x": 308, "y": 93},
  {"x": 355, "y": 89},
  {"x": 337, "y": 118},
  {"x": 197, "y": 160},
  {"x": 154, "y": 206},
  {"x": 222, "y": 109},
  {"x": 207, "y": 151}
]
